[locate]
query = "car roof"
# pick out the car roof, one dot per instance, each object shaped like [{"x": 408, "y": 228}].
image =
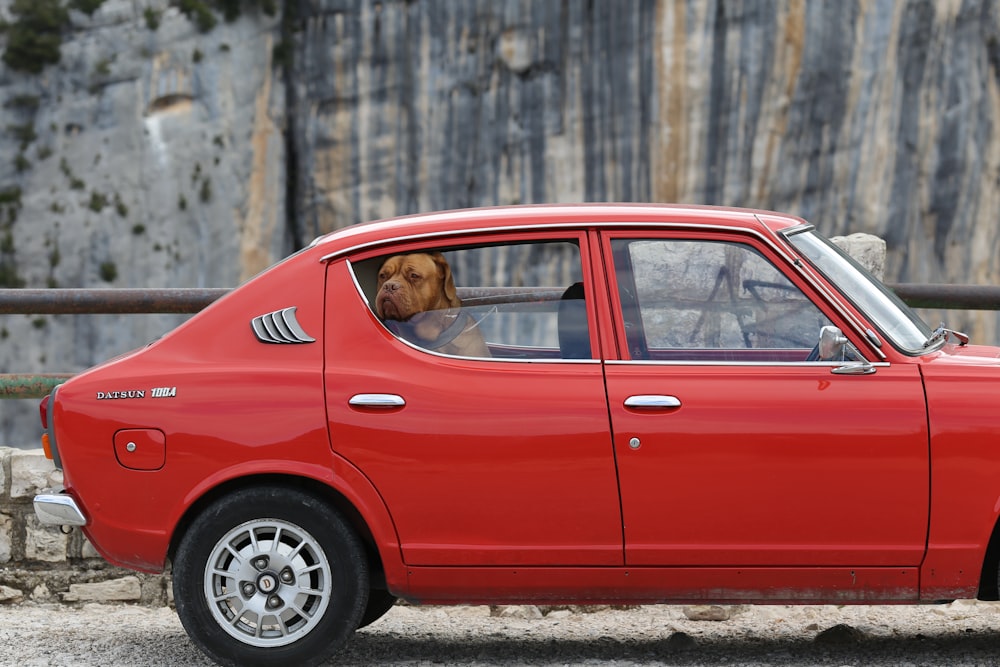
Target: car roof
[{"x": 530, "y": 216}]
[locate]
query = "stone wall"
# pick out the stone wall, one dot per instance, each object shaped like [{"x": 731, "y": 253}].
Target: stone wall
[{"x": 43, "y": 563}]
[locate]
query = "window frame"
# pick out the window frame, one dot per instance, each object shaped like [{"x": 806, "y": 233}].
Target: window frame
[
  {"x": 633, "y": 339},
  {"x": 577, "y": 236}
]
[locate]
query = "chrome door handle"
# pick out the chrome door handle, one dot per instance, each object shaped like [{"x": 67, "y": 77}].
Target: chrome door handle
[
  {"x": 653, "y": 401},
  {"x": 854, "y": 368},
  {"x": 377, "y": 401}
]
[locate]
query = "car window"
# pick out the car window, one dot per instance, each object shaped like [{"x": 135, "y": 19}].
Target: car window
[
  {"x": 499, "y": 301},
  {"x": 712, "y": 301}
]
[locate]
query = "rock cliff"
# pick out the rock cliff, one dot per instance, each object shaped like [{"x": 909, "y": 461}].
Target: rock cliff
[{"x": 156, "y": 150}]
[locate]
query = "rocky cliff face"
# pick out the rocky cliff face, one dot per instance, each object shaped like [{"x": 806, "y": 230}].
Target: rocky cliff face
[{"x": 155, "y": 153}]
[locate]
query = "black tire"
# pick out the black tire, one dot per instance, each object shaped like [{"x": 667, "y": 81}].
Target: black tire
[
  {"x": 380, "y": 601},
  {"x": 288, "y": 577}
]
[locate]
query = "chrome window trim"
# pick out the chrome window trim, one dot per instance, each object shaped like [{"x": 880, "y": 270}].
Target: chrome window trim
[
  {"x": 575, "y": 225},
  {"x": 782, "y": 364}
]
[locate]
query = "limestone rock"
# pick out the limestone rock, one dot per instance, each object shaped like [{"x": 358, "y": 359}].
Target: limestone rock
[
  {"x": 706, "y": 612},
  {"x": 6, "y": 526},
  {"x": 31, "y": 473},
  {"x": 44, "y": 543},
  {"x": 527, "y": 611},
  {"x": 10, "y": 595},
  {"x": 126, "y": 589}
]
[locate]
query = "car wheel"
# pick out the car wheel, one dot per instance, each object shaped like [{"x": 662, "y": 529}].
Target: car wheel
[
  {"x": 270, "y": 576},
  {"x": 379, "y": 603}
]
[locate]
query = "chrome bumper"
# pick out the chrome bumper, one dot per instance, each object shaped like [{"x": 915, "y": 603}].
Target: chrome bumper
[{"x": 58, "y": 510}]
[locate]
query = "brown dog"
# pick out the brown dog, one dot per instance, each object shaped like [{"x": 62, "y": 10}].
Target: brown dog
[{"x": 416, "y": 298}]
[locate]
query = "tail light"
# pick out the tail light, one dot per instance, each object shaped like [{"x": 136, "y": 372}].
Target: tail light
[{"x": 43, "y": 410}]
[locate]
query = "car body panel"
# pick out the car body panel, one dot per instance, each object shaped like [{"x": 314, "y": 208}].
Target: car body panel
[
  {"x": 965, "y": 504},
  {"x": 722, "y": 480},
  {"x": 520, "y": 483}
]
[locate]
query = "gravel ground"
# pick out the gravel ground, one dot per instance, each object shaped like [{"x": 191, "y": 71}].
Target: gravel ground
[{"x": 962, "y": 633}]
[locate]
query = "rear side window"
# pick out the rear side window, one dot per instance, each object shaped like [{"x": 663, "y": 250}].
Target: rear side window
[{"x": 500, "y": 301}]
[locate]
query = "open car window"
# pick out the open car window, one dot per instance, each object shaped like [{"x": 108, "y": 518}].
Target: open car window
[
  {"x": 511, "y": 301},
  {"x": 699, "y": 300}
]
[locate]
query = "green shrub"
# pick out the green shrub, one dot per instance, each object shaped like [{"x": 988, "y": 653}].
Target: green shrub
[
  {"x": 23, "y": 133},
  {"x": 152, "y": 18},
  {"x": 97, "y": 201},
  {"x": 34, "y": 37},
  {"x": 88, "y": 7},
  {"x": 10, "y": 196},
  {"x": 23, "y": 102},
  {"x": 9, "y": 277},
  {"x": 199, "y": 12},
  {"x": 108, "y": 271}
]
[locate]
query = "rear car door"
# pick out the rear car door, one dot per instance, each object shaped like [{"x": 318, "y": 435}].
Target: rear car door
[
  {"x": 499, "y": 460},
  {"x": 733, "y": 449}
]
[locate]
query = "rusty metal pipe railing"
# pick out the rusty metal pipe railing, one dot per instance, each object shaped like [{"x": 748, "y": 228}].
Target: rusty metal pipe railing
[
  {"x": 949, "y": 297},
  {"x": 106, "y": 301},
  {"x": 19, "y": 385},
  {"x": 192, "y": 300}
]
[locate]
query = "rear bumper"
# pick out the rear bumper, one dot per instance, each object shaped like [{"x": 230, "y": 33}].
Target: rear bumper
[{"x": 58, "y": 509}]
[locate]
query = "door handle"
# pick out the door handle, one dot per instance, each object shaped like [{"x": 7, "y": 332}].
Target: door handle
[
  {"x": 854, "y": 368},
  {"x": 377, "y": 401},
  {"x": 652, "y": 401}
]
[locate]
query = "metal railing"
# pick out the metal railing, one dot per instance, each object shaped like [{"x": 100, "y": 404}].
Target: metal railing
[{"x": 192, "y": 300}]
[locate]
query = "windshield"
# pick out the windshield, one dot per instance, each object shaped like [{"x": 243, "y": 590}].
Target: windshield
[{"x": 884, "y": 309}]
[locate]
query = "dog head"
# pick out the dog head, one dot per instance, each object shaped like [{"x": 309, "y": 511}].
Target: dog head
[{"x": 412, "y": 284}]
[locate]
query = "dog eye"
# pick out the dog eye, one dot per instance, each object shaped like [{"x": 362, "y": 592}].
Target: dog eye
[{"x": 415, "y": 276}]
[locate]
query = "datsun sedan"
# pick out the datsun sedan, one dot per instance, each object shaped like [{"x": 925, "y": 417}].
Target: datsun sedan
[{"x": 584, "y": 403}]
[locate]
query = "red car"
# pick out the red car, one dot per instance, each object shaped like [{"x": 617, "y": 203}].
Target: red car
[{"x": 584, "y": 403}]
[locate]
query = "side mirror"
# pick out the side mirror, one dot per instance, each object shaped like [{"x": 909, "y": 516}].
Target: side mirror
[{"x": 832, "y": 342}]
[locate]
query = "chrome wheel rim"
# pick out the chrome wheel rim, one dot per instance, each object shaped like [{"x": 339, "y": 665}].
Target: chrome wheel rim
[{"x": 268, "y": 582}]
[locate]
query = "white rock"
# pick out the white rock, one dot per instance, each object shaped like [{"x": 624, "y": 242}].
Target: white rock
[
  {"x": 705, "y": 612},
  {"x": 6, "y": 536},
  {"x": 30, "y": 473},
  {"x": 8, "y": 594},
  {"x": 45, "y": 543},
  {"x": 867, "y": 249},
  {"x": 126, "y": 589}
]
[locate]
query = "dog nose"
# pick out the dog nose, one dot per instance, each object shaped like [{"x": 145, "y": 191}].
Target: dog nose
[{"x": 390, "y": 286}]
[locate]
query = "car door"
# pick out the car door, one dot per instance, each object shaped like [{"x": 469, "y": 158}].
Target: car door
[
  {"x": 732, "y": 448},
  {"x": 504, "y": 460}
]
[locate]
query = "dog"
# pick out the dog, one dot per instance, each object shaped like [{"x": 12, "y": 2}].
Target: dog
[{"x": 417, "y": 300}]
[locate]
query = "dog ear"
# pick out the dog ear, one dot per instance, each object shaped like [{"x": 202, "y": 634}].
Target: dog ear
[{"x": 447, "y": 281}]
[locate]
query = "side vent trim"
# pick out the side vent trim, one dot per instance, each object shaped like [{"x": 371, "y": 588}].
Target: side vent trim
[{"x": 280, "y": 326}]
